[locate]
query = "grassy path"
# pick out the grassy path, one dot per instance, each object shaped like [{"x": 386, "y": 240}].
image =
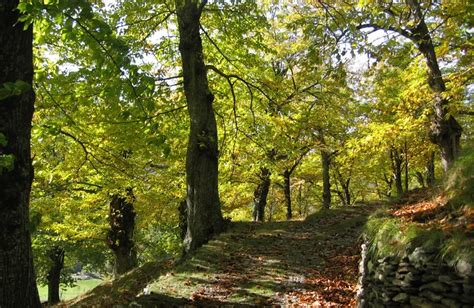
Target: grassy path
[{"x": 311, "y": 262}]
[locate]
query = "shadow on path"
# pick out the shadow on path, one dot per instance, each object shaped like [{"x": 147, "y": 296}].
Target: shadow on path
[{"x": 310, "y": 262}]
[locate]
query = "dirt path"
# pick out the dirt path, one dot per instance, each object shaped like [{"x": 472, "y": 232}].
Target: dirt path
[{"x": 311, "y": 262}]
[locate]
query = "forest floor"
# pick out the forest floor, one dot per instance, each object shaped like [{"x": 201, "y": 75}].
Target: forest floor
[{"x": 300, "y": 262}]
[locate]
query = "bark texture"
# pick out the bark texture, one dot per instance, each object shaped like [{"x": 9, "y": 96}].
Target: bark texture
[
  {"x": 326, "y": 162},
  {"x": 397, "y": 161},
  {"x": 56, "y": 255},
  {"x": 204, "y": 209},
  {"x": 345, "y": 194},
  {"x": 183, "y": 219},
  {"x": 287, "y": 191},
  {"x": 120, "y": 236},
  {"x": 17, "y": 278},
  {"x": 430, "y": 171},
  {"x": 261, "y": 194}
]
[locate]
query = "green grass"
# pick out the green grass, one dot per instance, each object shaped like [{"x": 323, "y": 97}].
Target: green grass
[{"x": 81, "y": 287}]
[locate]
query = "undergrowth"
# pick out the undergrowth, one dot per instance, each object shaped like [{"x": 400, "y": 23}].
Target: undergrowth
[{"x": 449, "y": 241}]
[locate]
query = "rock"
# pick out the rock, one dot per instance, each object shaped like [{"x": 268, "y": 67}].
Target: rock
[
  {"x": 428, "y": 278},
  {"x": 464, "y": 268},
  {"x": 446, "y": 279},
  {"x": 431, "y": 296},
  {"x": 434, "y": 286},
  {"x": 450, "y": 303},
  {"x": 410, "y": 290},
  {"x": 418, "y": 257},
  {"x": 411, "y": 278},
  {"x": 468, "y": 289},
  {"x": 401, "y": 298},
  {"x": 467, "y": 299},
  {"x": 456, "y": 288},
  {"x": 420, "y": 302}
]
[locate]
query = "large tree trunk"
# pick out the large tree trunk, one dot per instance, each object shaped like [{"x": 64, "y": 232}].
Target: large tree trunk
[
  {"x": 445, "y": 131},
  {"x": 261, "y": 194},
  {"x": 17, "y": 278},
  {"x": 287, "y": 191},
  {"x": 56, "y": 256},
  {"x": 120, "y": 236},
  {"x": 326, "y": 162},
  {"x": 204, "y": 209}
]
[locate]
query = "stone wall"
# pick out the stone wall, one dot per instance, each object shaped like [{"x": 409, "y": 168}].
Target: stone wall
[{"x": 415, "y": 279}]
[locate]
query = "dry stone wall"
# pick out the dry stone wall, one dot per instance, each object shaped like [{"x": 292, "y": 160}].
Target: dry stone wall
[{"x": 415, "y": 279}]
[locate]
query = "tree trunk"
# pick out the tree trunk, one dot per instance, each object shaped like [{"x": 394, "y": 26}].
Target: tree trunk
[
  {"x": 17, "y": 278},
  {"x": 300, "y": 200},
  {"x": 345, "y": 195},
  {"x": 445, "y": 131},
  {"x": 420, "y": 179},
  {"x": 287, "y": 191},
  {"x": 430, "y": 171},
  {"x": 405, "y": 152},
  {"x": 120, "y": 236},
  {"x": 183, "y": 218},
  {"x": 326, "y": 161},
  {"x": 54, "y": 274},
  {"x": 389, "y": 181},
  {"x": 261, "y": 194},
  {"x": 347, "y": 192},
  {"x": 397, "y": 162},
  {"x": 204, "y": 209}
]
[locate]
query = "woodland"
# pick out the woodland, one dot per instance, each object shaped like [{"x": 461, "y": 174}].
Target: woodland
[{"x": 132, "y": 133}]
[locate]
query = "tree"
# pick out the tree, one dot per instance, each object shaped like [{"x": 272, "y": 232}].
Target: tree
[
  {"x": 120, "y": 236},
  {"x": 409, "y": 20},
  {"x": 260, "y": 194},
  {"x": 17, "y": 277},
  {"x": 204, "y": 212},
  {"x": 56, "y": 255}
]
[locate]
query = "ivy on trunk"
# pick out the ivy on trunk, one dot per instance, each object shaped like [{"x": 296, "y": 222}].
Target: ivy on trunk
[{"x": 120, "y": 236}]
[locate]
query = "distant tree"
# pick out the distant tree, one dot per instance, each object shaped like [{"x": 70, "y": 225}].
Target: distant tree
[{"x": 120, "y": 236}]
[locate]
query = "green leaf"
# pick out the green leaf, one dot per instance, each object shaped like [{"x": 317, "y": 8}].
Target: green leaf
[
  {"x": 22, "y": 86},
  {"x": 3, "y": 140},
  {"x": 4, "y": 93},
  {"x": 13, "y": 88},
  {"x": 7, "y": 162}
]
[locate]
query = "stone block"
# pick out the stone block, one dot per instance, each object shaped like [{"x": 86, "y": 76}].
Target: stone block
[
  {"x": 401, "y": 298},
  {"x": 450, "y": 303},
  {"x": 435, "y": 286},
  {"x": 434, "y": 297}
]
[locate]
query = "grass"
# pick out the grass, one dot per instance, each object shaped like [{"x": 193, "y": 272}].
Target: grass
[
  {"x": 460, "y": 181},
  {"x": 81, "y": 287},
  {"x": 120, "y": 290}
]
